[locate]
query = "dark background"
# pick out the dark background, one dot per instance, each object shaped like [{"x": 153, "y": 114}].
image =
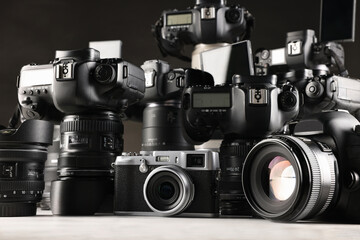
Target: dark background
[{"x": 31, "y": 31}]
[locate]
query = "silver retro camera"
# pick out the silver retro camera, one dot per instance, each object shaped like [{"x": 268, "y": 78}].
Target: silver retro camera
[{"x": 167, "y": 183}]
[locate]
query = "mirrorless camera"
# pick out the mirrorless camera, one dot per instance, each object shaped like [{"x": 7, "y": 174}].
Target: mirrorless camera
[
  {"x": 209, "y": 22},
  {"x": 312, "y": 173},
  {"x": 246, "y": 111},
  {"x": 167, "y": 183},
  {"x": 90, "y": 94}
]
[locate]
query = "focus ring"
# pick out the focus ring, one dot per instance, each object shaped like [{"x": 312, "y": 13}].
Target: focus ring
[
  {"x": 315, "y": 179},
  {"x": 21, "y": 186},
  {"x": 235, "y": 149},
  {"x": 92, "y": 126}
]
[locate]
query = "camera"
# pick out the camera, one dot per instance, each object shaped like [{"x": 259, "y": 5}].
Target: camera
[
  {"x": 249, "y": 109},
  {"x": 88, "y": 95},
  {"x": 307, "y": 63},
  {"x": 209, "y": 22},
  {"x": 22, "y": 157},
  {"x": 78, "y": 81},
  {"x": 312, "y": 173},
  {"x": 160, "y": 109},
  {"x": 167, "y": 183}
]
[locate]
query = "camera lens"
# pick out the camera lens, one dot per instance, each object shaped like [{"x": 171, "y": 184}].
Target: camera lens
[
  {"x": 162, "y": 128},
  {"x": 232, "y": 156},
  {"x": 50, "y": 171},
  {"x": 23, "y": 153},
  {"x": 288, "y": 179},
  {"x": 168, "y": 190},
  {"x": 90, "y": 143}
]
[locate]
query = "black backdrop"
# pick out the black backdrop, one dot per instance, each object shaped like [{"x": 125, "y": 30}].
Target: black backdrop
[{"x": 31, "y": 31}]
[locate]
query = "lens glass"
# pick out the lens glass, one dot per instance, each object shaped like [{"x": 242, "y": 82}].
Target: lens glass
[
  {"x": 282, "y": 179},
  {"x": 166, "y": 190}
]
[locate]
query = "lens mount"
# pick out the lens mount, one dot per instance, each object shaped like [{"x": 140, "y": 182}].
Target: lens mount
[
  {"x": 168, "y": 190},
  {"x": 288, "y": 179}
]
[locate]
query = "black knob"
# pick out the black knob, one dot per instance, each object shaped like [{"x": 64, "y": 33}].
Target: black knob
[
  {"x": 105, "y": 73},
  {"x": 314, "y": 89}
]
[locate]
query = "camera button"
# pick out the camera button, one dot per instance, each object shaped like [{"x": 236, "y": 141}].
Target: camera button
[
  {"x": 38, "y": 91},
  {"x": 31, "y": 92}
]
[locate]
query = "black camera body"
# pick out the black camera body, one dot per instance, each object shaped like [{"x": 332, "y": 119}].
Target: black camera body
[
  {"x": 319, "y": 162},
  {"x": 160, "y": 109},
  {"x": 252, "y": 107},
  {"x": 78, "y": 81},
  {"x": 167, "y": 183},
  {"x": 161, "y": 82},
  {"x": 208, "y": 22}
]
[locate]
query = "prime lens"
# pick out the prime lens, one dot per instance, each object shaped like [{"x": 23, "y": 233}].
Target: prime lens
[
  {"x": 168, "y": 190},
  {"x": 287, "y": 178}
]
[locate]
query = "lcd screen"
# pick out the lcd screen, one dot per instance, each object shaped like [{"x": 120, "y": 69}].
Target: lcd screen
[
  {"x": 211, "y": 100},
  {"x": 337, "y": 20},
  {"x": 38, "y": 75},
  {"x": 178, "y": 19}
]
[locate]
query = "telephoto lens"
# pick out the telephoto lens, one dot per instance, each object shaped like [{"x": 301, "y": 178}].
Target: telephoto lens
[
  {"x": 23, "y": 152},
  {"x": 89, "y": 145}
]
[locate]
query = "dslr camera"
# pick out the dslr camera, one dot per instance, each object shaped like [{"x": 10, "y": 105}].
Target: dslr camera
[
  {"x": 209, "y": 22},
  {"x": 160, "y": 109},
  {"x": 245, "y": 111},
  {"x": 312, "y": 173},
  {"x": 88, "y": 95},
  {"x": 167, "y": 183}
]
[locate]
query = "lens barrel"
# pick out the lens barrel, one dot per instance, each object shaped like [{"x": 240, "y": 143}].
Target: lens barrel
[
  {"x": 23, "y": 153},
  {"x": 90, "y": 143},
  {"x": 162, "y": 128},
  {"x": 50, "y": 171},
  {"x": 232, "y": 156},
  {"x": 288, "y": 179},
  {"x": 168, "y": 190}
]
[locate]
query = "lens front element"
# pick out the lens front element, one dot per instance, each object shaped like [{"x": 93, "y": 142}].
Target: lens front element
[
  {"x": 168, "y": 190},
  {"x": 282, "y": 178}
]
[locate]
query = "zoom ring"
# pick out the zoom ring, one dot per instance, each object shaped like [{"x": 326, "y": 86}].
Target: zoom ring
[
  {"x": 236, "y": 149},
  {"x": 92, "y": 126}
]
